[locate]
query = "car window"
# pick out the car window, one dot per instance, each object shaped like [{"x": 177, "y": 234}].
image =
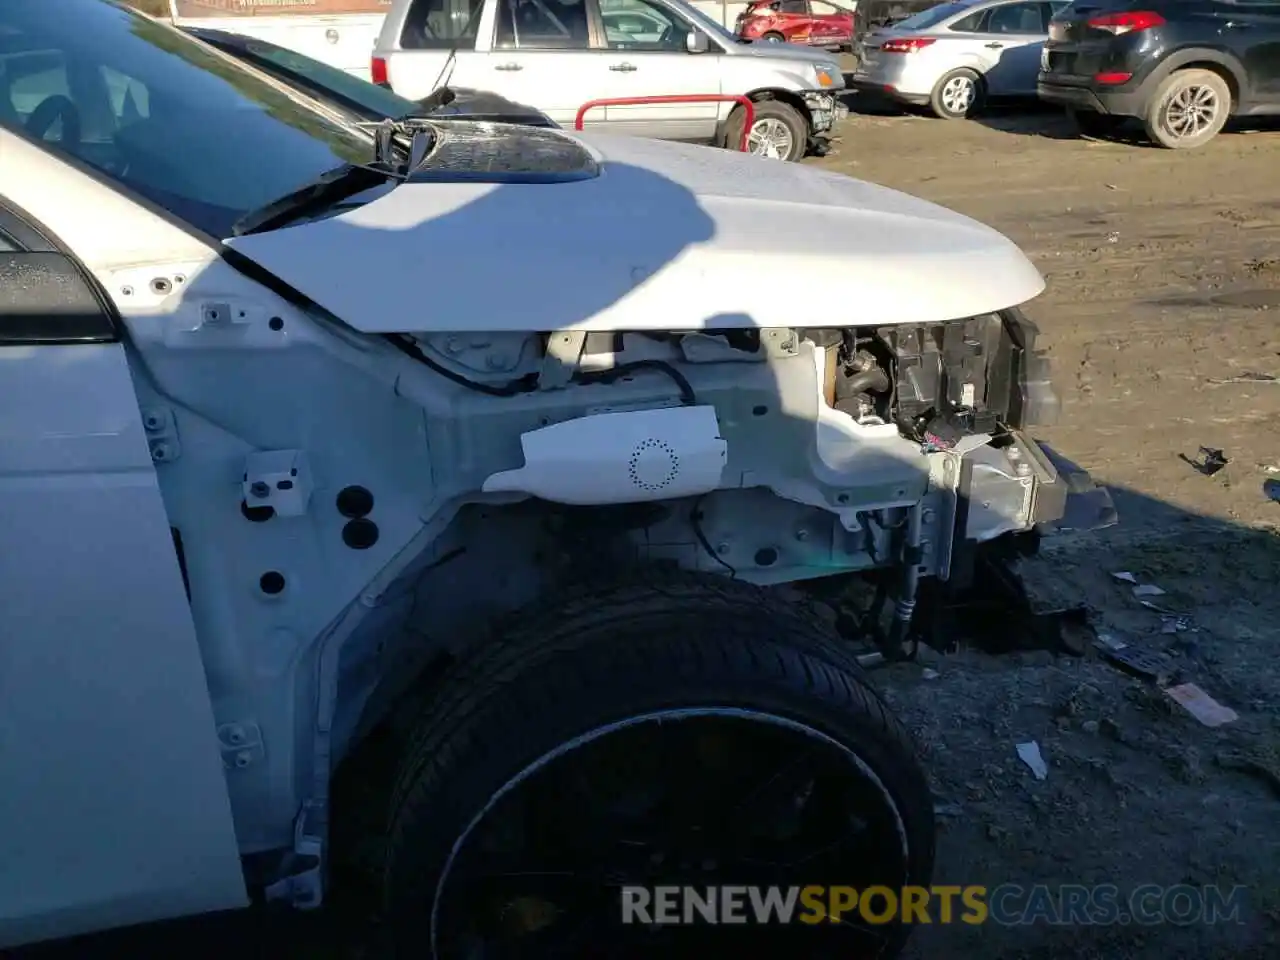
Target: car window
[
  {"x": 7, "y": 244},
  {"x": 931, "y": 17},
  {"x": 640, "y": 25},
  {"x": 542, "y": 25},
  {"x": 824, "y": 9},
  {"x": 1019, "y": 18},
  {"x": 441, "y": 24},
  {"x": 970, "y": 24},
  {"x": 800, "y": 7},
  {"x": 160, "y": 113}
]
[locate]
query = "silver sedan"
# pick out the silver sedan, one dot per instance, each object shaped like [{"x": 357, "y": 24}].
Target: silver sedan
[{"x": 953, "y": 56}]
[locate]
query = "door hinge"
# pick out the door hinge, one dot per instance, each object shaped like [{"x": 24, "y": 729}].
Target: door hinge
[
  {"x": 241, "y": 744},
  {"x": 162, "y": 434}
]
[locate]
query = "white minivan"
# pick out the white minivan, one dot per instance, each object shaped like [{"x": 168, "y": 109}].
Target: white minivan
[{"x": 557, "y": 56}]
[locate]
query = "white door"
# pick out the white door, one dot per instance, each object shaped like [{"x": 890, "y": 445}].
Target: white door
[
  {"x": 432, "y": 30},
  {"x": 340, "y": 33},
  {"x": 1012, "y": 36},
  {"x": 542, "y": 56},
  {"x": 648, "y": 56},
  {"x": 113, "y": 800}
]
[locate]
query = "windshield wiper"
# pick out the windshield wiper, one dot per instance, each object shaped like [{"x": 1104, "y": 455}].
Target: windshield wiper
[{"x": 389, "y": 164}]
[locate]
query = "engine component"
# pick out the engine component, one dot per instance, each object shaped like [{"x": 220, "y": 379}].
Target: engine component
[{"x": 620, "y": 457}]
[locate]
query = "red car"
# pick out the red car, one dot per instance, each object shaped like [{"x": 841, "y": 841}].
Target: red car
[{"x": 813, "y": 22}]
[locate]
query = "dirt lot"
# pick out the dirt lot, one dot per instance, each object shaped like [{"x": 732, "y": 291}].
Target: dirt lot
[{"x": 1163, "y": 274}]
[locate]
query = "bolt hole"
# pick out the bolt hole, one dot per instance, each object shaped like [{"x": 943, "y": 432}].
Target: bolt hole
[
  {"x": 759, "y": 411},
  {"x": 284, "y": 485},
  {"x": 256, "y": 514},
  {"x": 842, "y": 498},
  {"x": 275, "y": 323},
  {"x": 179, "y": 279},
  {"x": 766, "y": 557},
  {"x": 360, "y": 534},
  {"x": 354, "y": 502},
  {"x": 161, "y": 285},
  {"x": 271, "y": 583},
  {"x": 126, "y": 291}
]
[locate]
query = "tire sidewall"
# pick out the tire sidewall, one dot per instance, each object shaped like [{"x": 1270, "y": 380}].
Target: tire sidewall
[
  {"x": 606, "y": 687},
  {"x": 1176, "y": 81},
  {"x": 935, "y": 98}
]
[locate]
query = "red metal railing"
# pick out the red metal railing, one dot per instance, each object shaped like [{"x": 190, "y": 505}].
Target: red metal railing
[{"x": 749, "y": 111}]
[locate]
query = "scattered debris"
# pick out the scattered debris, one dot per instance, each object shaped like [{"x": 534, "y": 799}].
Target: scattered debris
[
  {"x": 1176, "y": 623},
  {"x": 930, "y": 674},
  {"x": 1147, "y": 590},
  {"x": 1247, "y": 377},
  {"x": 1272, "y": 489},
  {"x": 1109, "y": 641},
  {"x": 1113, "y": 237},
  {"x": 1126, "y": 576},
  {"x": 1145, "y": 664},
  {"x": 1209, "y": 461},
  {"x": 1201, "y": 706},
  {"x": 1029, "y": 753}
]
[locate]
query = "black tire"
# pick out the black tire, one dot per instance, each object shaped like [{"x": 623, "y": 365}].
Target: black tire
[
  {"x": 598, "y": 657},
  {"x": 1182, "y": 87},
  {"x": 944, "y": 99},
  {"x": 772, "y": 111},
  {"x": 1090, "y": 123},
  {"x": 774, "y": 37}
]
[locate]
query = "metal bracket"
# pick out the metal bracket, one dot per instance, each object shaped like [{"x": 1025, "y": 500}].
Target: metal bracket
[
  {"x": 162, "y": 434},
  {"x": 780, "y": 342},
  {"x": 280, "y": 479},
  {"x": 303, "y": 882},
  {"x": 241, "y": 744},
  {"x": 564, "y": 354},
  {"x": 704, "y": 348}
]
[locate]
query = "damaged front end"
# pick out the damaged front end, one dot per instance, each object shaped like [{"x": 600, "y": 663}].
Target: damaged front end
[{"x": 774, "y": 455}]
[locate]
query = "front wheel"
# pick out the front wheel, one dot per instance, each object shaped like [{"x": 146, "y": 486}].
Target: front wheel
[
  {"x": 687, "y": 732},
  {"x": 1188, "y": 109},
  {"x": 779, "y": 131}
]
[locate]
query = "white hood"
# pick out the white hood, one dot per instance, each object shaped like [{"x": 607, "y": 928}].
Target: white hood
[{"x": 667, "y": 237}]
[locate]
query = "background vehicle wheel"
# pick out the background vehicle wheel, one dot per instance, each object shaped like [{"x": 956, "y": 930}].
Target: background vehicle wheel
[
  {"x": 1188, "y": 109},
  {"x": 957, "y": 95},
  {"x": 686, "y": 730},
  {"x": 779, "y": 131},
  {"x": 774, "y": 37},
  {"x": 1090, "y": 123}
]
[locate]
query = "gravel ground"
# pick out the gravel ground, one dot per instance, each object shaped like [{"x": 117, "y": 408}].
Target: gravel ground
[{"x": 1163, "y": 274}]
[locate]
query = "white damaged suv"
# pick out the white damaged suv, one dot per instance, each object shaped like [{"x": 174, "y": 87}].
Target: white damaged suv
[
  {"x": 481, "y": 445},
  {"x": 558, "y": 56}
]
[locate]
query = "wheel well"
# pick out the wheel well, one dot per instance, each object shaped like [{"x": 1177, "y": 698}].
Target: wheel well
[
  {"x": 1228, "y": 77},
  {"x": 783, "y": 96}
]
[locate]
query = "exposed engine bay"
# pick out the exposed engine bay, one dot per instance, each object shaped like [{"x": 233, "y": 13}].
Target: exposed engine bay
[{"x": 778, "y": 455}]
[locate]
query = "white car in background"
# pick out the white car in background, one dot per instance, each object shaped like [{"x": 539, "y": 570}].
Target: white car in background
[
  {"x": 954, "y": 56},
  {"x": 558, "y": 56}
]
